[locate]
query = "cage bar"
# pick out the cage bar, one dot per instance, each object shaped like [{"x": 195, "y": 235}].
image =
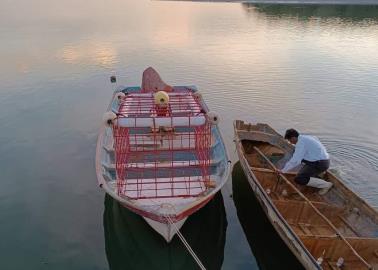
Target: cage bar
[{"x": 162, "y": 152}]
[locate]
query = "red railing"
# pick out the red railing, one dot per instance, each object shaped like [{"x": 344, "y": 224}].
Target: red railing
[{"x": 162, "y": 154}]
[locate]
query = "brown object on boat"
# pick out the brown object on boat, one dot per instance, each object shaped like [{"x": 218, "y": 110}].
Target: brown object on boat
[
  {"x": 336, "y": 231},
  {"x": 210, "y": 184},
  {"x": 152, "y": 82}
]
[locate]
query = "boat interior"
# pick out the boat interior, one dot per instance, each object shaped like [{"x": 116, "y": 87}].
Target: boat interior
[
  {"x": 166, "y": 165},
  {"x": 146, "y": 156},
  {"x": 339, "y": 229}
]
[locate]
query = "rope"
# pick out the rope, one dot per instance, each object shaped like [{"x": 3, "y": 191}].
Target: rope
[{"x": 186, "y": 244}]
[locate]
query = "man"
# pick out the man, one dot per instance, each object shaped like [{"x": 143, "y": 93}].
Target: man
[{"x": 310, "y": 151}]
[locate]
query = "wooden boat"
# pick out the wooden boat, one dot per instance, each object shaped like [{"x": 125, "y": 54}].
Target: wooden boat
[
  {"x": 338, "y": 230},
  {"x": 160, "y": 152}
]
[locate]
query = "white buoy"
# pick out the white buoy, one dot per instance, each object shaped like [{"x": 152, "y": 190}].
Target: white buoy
[
  {"x": 197, "y": 95},
  {"x": 213, "y": 118},
  {"x": 161, "y": 98},
  {"x": 340, "y": 262},
  {"x": 108, "y": 118},
  {"x": 120, "y": 96}
]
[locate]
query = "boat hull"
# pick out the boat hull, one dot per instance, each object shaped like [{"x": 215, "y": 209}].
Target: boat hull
[
  {"x": 277, "y": 221},
  {"x": 160, "y": 210},
  {"x": 338, "y": 228},
  {"x": 160, "y": 223},
  {"x": 167, "y": 230},
  {"x": 163, "y": 219}
]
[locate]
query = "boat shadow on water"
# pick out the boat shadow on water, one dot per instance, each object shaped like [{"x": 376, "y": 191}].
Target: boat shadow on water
[
  {"x": 266, "y": 245},
  {"x": 131, "y": 243}
]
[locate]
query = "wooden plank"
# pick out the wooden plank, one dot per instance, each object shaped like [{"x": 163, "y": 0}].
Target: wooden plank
[
  {"x": 304, "y": 228},
  {"x": 352, "y": 198},
  {"x": 349, "y": 225},
  {"x": 335, "y": 248},
  {"x": 332, "y": 248},
  {"x": 270, "y": 171},
  {"x": 301, "y": 212},
  {"x": 316, "y": 210},
  {"x": 367, "y": 248}
]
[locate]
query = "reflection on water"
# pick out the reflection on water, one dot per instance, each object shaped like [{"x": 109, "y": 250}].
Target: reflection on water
[
  {"x": 268, "y": 248},
  {"x": 132, "y": 244},
  {"x": 304, "y": 12},
  {"x": 313, "y": 68},
  {"x": 103, "y": 55}
]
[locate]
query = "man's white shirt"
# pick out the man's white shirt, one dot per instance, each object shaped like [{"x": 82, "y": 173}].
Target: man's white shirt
[{"x": 308, "y": 148}]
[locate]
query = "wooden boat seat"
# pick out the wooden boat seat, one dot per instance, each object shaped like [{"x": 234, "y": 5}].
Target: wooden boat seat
[
  {"x": 295, "y": 211},
  {"x": 305, "y": 229},
  {"x": 334, "y": 248},
  {"x": 302, "y": 212}
]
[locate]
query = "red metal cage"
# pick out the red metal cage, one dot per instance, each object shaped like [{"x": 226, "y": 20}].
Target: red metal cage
[{"x": 162, "y": 151}]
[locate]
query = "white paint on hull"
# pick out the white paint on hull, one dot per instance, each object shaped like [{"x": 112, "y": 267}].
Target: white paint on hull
[{"x": 165, "y": 229}]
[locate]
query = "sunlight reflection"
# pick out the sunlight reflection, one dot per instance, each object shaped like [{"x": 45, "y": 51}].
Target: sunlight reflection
[
  {"x": 101, "y": 54},
  {"x": 23, "y": 68},
  {"x": 70, "y": 54}
]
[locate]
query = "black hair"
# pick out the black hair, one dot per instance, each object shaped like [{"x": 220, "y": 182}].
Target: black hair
[{"x": 290, "y": 133}]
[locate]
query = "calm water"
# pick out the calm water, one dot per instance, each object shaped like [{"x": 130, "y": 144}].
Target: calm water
[{"x": 313, "y": 68}]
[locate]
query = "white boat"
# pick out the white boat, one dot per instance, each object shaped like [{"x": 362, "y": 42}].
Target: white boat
[{"x": 160, "y": 152}]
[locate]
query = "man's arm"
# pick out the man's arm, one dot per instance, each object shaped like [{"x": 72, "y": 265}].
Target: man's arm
[{"x": 296, "y": 159}]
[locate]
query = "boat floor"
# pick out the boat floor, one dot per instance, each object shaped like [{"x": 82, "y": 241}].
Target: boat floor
[
  {"x": 329, "y": 226},
  {"x": 164, "y": 187},
  {"x": 154, "y": 194}
]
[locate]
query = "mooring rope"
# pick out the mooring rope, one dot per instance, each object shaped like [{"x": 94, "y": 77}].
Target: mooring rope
[{"x": 186, "y": 244}]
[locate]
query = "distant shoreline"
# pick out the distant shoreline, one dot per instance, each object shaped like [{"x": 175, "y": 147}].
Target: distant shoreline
[{"x": 293, "y": 2}]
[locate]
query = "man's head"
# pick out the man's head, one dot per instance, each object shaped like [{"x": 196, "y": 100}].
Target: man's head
[{"x": 291, "y": 135}]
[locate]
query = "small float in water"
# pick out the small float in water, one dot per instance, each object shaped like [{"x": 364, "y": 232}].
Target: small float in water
[
  {"x": 338, "y": 230},
  {"x": 160, "y": 152}
]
